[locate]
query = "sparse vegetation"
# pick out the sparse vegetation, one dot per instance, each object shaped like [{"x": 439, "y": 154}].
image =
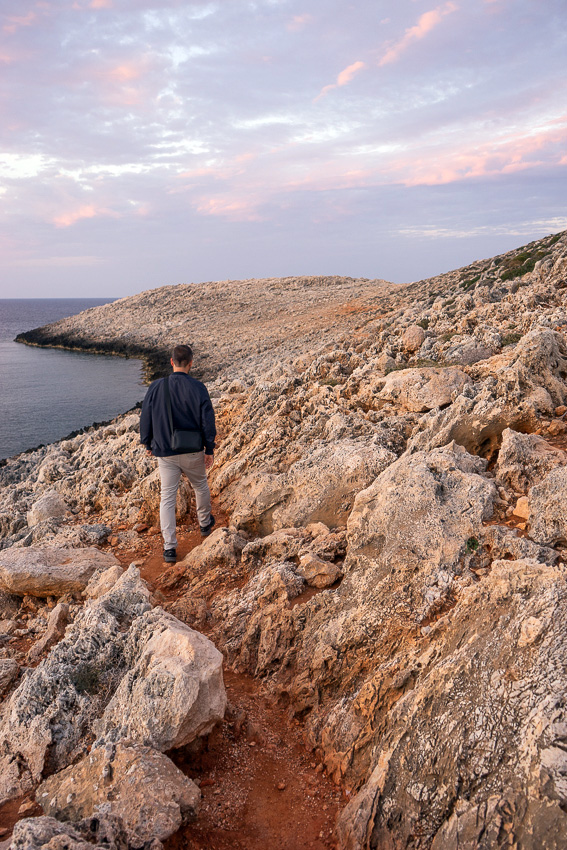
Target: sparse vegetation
[
  {"x": 511, "y": 338},
  {"x": 423, "y": 323},
  {"x": 472, "y": 545}
]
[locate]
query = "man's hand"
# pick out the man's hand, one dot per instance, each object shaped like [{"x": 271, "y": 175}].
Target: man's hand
[
  {"x": 209, "y": 460},
  {"x": 149, "y": 452}
]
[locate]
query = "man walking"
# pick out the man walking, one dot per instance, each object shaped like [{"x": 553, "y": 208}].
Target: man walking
[{"x": 179, "y": 402}]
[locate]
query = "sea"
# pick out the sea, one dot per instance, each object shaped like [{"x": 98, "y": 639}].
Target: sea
[{"x": 46, "y": 394}]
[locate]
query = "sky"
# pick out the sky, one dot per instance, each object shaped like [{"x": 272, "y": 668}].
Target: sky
[{"x": 151, "y": 143}]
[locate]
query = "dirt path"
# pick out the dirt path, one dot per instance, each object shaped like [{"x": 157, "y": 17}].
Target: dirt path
[{"x": 261, "y": 787}]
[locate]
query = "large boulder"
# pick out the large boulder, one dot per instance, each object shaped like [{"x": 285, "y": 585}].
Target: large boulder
[
  {"x": 525, "y": 460},
  {"x": 423, "y": 389},
  {"x": 42, "y": 571},
  {"x": 139, "y": 785},
  {"x": 173, "y": 691}
]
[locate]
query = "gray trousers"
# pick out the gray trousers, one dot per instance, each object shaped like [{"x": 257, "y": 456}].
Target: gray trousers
[{"x": 170, "y": 469}]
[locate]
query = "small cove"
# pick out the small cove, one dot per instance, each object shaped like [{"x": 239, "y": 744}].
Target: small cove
[{"x": 45, "y": 394}]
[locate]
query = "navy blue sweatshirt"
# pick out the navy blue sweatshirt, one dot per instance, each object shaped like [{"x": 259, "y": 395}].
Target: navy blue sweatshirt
[{"x": 191, "y": 408}]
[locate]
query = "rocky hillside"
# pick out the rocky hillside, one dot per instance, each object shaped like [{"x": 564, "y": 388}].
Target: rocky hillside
[{"x": 393, "y": 462}]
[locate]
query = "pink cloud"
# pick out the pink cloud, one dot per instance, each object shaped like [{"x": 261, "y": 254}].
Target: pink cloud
[
  {"x": 299, "y": 22},
  {"x": 427, "y": 22},
  {"x": 343, "y": 78},
  {"x": 17, "y": 21},
  {"x": 85, "y": 211},
  {"x": 234, "y": 208},
  {"x": 101, "y": 4},
  {"x": 509, "y": 155}
]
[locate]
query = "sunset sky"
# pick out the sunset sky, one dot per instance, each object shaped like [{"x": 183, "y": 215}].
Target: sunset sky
[{"x": 145, "y": 144}]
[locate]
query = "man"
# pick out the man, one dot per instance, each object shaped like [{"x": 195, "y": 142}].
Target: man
[{"x": 191, "y": 410}]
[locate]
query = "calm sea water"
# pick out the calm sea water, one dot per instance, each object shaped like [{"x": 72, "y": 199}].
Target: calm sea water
[{"x": 47, "y": 393}]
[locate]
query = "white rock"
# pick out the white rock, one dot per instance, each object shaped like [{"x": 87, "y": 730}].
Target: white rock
[
  {"x": 41, "y": 571},
  {"x": 50, "y": 506}
]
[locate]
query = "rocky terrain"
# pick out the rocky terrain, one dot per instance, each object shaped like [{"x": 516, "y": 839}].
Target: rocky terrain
[{"x": 393, "y": 465}]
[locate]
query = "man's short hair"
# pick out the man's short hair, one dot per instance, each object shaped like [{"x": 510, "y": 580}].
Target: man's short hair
[{"x": 182, "y": 355}]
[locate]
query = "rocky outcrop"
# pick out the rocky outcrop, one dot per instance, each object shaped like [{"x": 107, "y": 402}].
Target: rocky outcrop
[
  {"x": 146, "y": 676},
  {"x": 142, "y": 787},
  {"x": 483, "y": 723},
  {"x": 525, "y": 460},
  {"x": 101, "y": 832},
  {"x": 45, "y": 572}
]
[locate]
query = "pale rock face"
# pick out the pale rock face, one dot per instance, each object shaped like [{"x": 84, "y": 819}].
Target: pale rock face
[
  {"x": 423, "y": 389},
  {"x": 140, "y": 786},
  {"x": 318, "y": 488},
  {"x": 255, "y": 624},
  {"x": 173, "y": 692},
  {"x": 50, "y": 506},
  {"x": 53, "y": 706},
  {"x": 522, "y": 508},
  {"x": 223, "y": 546},
  {"x": 547, "y": 501},
  {"x": 413, "y": 338},
  {"x": 42, "y": 571},
  {"x": 421, "y": 510},
  {"x": 491, "y": 696},
  {"x": 102, "y": 581},
  {"x": 525, "y": 460}
]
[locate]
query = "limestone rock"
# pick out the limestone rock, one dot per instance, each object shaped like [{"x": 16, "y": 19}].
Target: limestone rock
[
  {"x": 223, "y": 546},
  {"x": 548, "y": 518},
  {"x": 102, "y": 581},
  {"x": 173, "y": 691},
  {"x": 316, "y": 572},
  {"x": 9, "y": 669},
  {"x": 318, "y": 488},
  {"x": 412, "y": 338},
  {"x": 50, "y": 506},
  {"x": 525, "y": 460},
  {"x": 56, "y": 623},
  {"x": 522, "y": 509},
  {"x": 418, "y": 767},
  {"x": 140, "y": 786},
  {"x": 102, "y": 832},
  {"x": 423, "y": 389},
  {"x": 46, "y": 572},
  {"x": 255, "y": 624},
  {"x": 421, "y": 511},
  {"x": 46, "y": 718}
]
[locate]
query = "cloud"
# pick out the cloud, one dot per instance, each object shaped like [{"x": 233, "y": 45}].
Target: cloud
[
  {"x": 14, "y": 22},
  {"x": 299, "y": 22},
  {"x": 343, "y": 78},
  {"x": 85, "y": 211},
  {"x": 427, "y": 22}
]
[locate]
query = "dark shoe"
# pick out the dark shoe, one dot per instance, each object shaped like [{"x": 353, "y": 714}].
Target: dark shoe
[
  {"x": 206, "y": 529},
  {"x": 170, "y": 556}
]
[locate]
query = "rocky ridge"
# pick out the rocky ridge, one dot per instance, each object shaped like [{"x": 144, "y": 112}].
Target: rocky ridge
[{"x": 392, "y": 460}]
